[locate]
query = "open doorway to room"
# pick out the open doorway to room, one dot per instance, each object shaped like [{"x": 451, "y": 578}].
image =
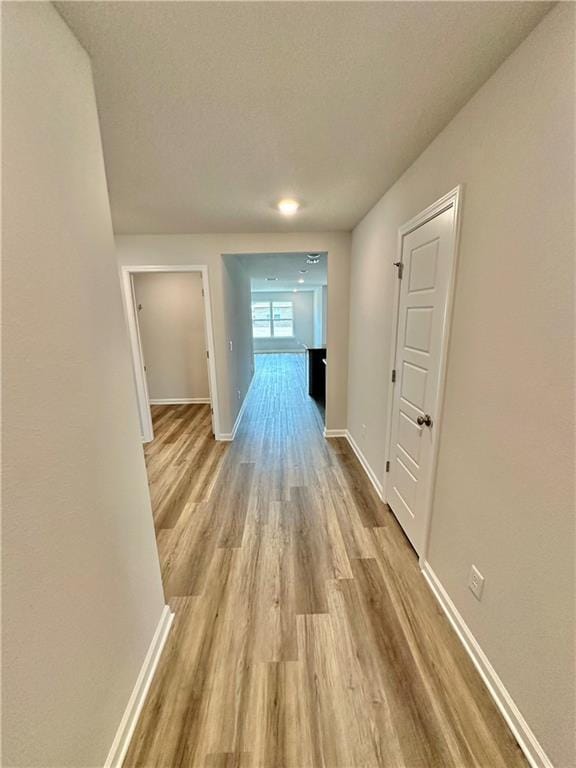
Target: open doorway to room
[
  {"x": 169, "y": 322},
  {"x": 170, "y": 309},
  {"x": 177, "y": 323},
  {"x": 288, "y": 305}
]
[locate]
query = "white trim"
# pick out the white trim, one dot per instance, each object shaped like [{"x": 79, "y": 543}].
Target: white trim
[
  {"x": 178, "y": 400},
  {"x": 366, "y": 467},
  {"x": 229, "y": 436},
  {"x": 131, "y": 714},
  {"x": 334, "y": 432},
  {"x": 523, "y": 734},
  {"x": 126, "y": 278},
  {"x": 359, "y": 455},
  {"x": 146, "y": 430},
  {"x": 452, "y": 199}
]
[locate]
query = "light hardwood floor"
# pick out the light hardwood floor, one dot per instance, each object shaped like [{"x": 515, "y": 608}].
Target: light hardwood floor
[{"x": 305, "y": 635}]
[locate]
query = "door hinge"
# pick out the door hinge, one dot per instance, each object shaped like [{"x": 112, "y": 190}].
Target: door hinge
[
  {"x": 208, "y": 354},
  {"x": 202, "y": 292},
  {"x": 387, "y": 466},
  {"x": 400, "y": 266},
  {"x": 394, "y": 374}
]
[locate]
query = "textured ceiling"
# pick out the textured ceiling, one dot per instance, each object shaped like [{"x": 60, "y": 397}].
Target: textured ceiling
[
  {"x": 285, "y": 267},
  {"x": 212, "y": 111}
]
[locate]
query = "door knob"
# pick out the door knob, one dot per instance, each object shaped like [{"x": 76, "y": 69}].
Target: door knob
[{"x": 424, "y": 421}]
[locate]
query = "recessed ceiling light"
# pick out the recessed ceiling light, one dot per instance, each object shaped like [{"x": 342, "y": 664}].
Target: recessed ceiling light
[
  {"x": 313, "y": 258},
  {"x": 288, "y": 207},
  {"x": 301, "y": 280},
  {"x": 270, "y": 279}
]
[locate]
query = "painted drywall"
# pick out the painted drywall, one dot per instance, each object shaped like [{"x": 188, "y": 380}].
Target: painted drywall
[
  {"x": 208, "y": 249},
  {"x": 324, "y": 313},
  {"x": 318, "y": 335},
  {"x": 211, "y": 111},
  {"x": 173, "y": 335},
  {"x": 80, "y": 576},
  {"x": 303, "y": 314},
  {"x": 504, "y": 494},
  {"x": 236, "y": 297}
]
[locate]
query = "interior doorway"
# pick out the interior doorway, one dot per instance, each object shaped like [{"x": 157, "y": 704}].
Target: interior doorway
[
  {"x": 170, "y": 309},
  {"x": 426, "y": 267},
  {"x": 289, "y": 317},
  {"x": 169, "y": 321}
]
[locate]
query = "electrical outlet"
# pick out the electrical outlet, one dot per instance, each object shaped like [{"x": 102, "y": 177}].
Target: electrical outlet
[
  {"x": 476, "y": 582},
  {"x": 363, "y": 430},
  {"x": 230, "y": 343},
  {"x": 238, "y": 394}
]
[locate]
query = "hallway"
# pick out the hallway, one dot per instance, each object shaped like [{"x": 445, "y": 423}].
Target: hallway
[{"x": 305, "y": 635}]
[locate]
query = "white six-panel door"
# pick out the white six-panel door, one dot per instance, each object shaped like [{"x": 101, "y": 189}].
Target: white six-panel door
[{"x": 427, "y": 254}]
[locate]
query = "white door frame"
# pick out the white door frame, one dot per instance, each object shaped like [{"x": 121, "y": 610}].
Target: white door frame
[
  {"x": 126, "y": 274},
  {"x": 452, "y": 199}
]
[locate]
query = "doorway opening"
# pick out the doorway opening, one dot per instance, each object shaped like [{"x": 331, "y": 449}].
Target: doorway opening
[
  {"x": 426, "y": 266},
  {"x": 169, "y": 319},
  {"x": 289, "y": 299}
]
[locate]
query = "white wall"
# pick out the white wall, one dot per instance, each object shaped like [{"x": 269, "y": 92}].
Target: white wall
[
  {"x": 303, "y": 313},
  {"x": 238, "y": 318},
  {"x": 319, "y": 336},
  {"x": 208, "y": 249},
  {"x": 324, "y": 314},
  {"x": 172, "y": 330},
  {"x": 81, "y": 582},
  {"x": 504, "y": 497}
]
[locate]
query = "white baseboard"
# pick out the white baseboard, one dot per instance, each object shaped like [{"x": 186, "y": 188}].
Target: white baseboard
[
  {"x": 229, "y": 436},
  {"x": 334, "y": 432},
  {"x": 367, "y": 468},
  {"x": 359, "y": 455},
  {"x": 178, "y": 400},
  {"x": 510, "y": 712},
  {"x": 526, "y": 739},
  {"x": 131, "y": 714}
]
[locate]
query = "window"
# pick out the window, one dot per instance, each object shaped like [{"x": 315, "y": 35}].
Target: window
[
  {"x": 282, "y": 318},
  {"x": 261, "y": 319},
  {"x": 272, "y": 319}
]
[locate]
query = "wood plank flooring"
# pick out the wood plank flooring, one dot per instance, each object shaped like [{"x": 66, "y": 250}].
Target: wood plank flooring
[{"x": 305, "y": 635}]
